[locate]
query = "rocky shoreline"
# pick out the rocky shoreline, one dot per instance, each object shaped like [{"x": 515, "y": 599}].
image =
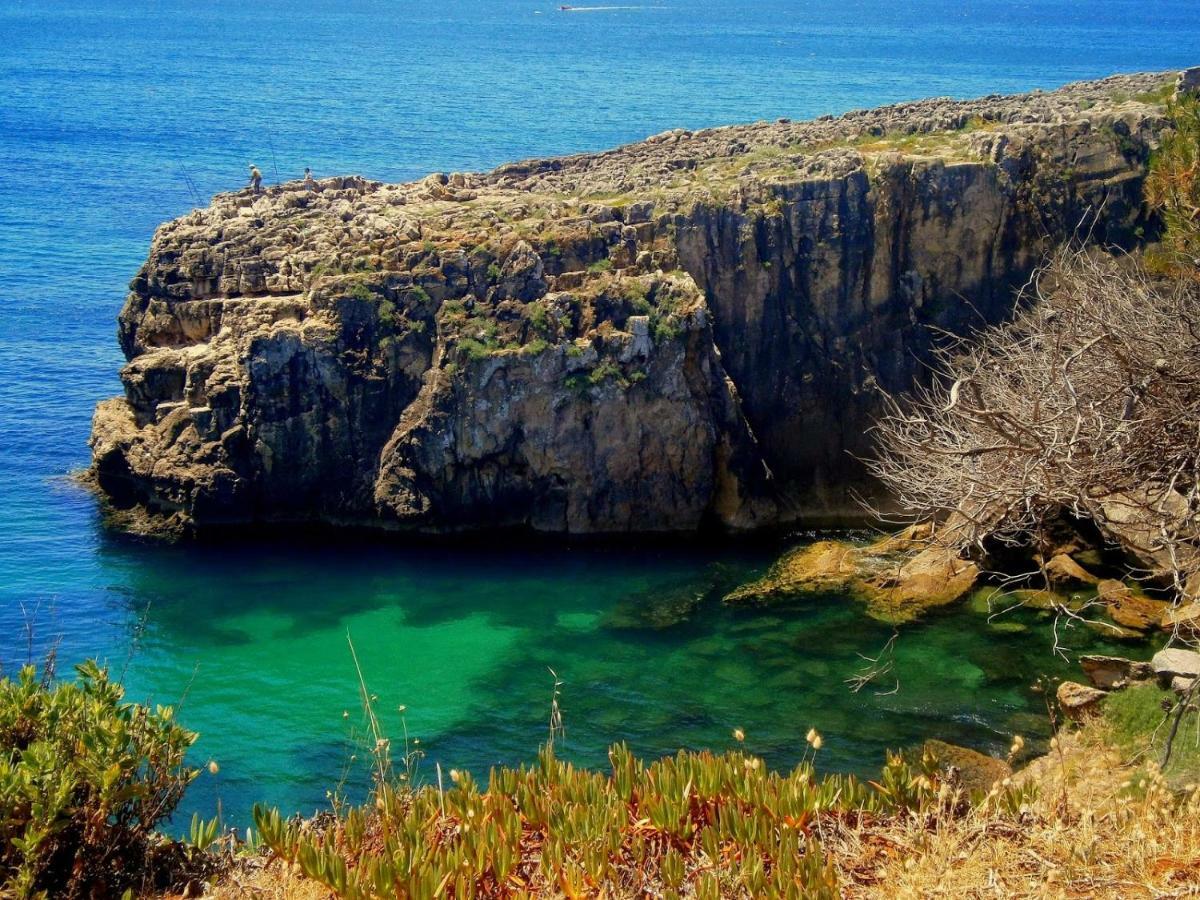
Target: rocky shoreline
[{"x": 683, "y": 333}]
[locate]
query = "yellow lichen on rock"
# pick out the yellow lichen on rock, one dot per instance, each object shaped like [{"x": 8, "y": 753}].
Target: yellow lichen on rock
[{"x": 898, "y": 577}]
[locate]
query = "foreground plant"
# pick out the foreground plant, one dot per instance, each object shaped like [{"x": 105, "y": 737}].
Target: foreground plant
[
  {"x": 84, "y": 779},
  {"x": 697, "y": 823}
]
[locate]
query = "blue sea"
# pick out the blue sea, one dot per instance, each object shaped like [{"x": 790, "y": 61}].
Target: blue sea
[{"x": 117, "y": 116}]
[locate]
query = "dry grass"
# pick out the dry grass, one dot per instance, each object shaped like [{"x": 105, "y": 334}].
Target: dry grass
[
  {"x": 1098, "y": 828},
  {"x": 255, "y": 881}
]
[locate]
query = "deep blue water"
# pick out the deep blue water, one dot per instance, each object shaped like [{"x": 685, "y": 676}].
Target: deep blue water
[{"x": 112, "y": 114}]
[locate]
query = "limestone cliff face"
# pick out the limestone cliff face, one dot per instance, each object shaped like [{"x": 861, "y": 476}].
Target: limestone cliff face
[{"x": 683, "y": 332}]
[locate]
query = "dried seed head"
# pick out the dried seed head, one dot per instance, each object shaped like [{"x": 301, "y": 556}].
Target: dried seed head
[
  {"x": 739, "y": 735},
  {"x": 213, "y": 768}
]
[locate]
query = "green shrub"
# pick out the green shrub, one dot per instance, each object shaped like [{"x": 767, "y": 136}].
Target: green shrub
[
  {"x": 84, "y": 778},
  {"x": 539, "y": 316},
  {"x": 664, "y": 331},
  {"x": 1173, "y": 189},
  {"x": 475, "y": 350},
  {"x": 1159, "y": 95}
]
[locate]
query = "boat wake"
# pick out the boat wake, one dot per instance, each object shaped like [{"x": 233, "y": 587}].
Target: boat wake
[{"x": 602, "y": 8}]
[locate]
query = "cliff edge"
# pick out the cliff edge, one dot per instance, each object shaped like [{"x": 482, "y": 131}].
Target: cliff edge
[{"x": 682, "y": 332}]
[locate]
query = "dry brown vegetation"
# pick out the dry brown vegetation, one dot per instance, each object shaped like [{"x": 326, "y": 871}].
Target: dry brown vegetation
[
  {"x": 1086, "y": 405},
  {"x": 1098, "y": 828}
]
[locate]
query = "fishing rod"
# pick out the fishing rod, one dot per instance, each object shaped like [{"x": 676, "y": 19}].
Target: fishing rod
[
  {"x": 191, "y": 186},
  {"x": 271, "y": 147}
]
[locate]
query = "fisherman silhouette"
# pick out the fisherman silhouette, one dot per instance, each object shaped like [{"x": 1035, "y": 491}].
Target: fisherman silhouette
[{"x": 255, "y": 178}]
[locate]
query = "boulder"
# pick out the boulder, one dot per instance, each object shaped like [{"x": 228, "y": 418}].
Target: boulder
[
  {"x": 1134, "y": 521},
  {"x": 820, "y": 566},
  {"x": 1079, "y": 700},
  {"x": 1181, "y": 684},
  {"x": 1176, "y": 661},
  {"x": 976, "y": 771},
  {"x": 1114, "y": 672},
  {"x": 521, "y": 275},
  {"x": 1191, "y": 587},
  {"x": 1184, "y": 619},
  {"x": 934, "y": 577},
  {"x": 1130, "y": 608},
  {"x": 896, "y": 586},
  {"x": 1063, "y": 571},
  {"x": 1188, "y": 82}
]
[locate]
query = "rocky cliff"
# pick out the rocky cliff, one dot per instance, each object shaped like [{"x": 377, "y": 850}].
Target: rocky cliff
[{"x": 682, "y": 332}]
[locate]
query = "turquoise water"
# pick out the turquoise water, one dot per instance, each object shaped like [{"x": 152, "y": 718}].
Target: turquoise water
[{"x": 112, "y": 113}]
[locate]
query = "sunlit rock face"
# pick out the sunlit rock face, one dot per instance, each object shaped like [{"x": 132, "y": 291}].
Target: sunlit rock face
[{"x": 685, "y": 332}]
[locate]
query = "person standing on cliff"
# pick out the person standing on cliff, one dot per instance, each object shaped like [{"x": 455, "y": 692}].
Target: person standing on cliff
[
  {"x": 255, "y": 178},
  {"x": 310, "y": 183}
]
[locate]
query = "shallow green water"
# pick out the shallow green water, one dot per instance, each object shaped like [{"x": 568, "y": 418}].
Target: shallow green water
[{"x": 252, "y": 636}]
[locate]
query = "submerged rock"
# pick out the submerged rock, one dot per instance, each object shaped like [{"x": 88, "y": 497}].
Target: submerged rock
[
  {"x": 657, "y": 608},
  {"x": 897, "y": 578}
]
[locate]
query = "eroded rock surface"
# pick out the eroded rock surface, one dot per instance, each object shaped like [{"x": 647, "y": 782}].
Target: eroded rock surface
[
  {"x": 898, "y": 578},
  {"x": 680, "y": 332}
]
